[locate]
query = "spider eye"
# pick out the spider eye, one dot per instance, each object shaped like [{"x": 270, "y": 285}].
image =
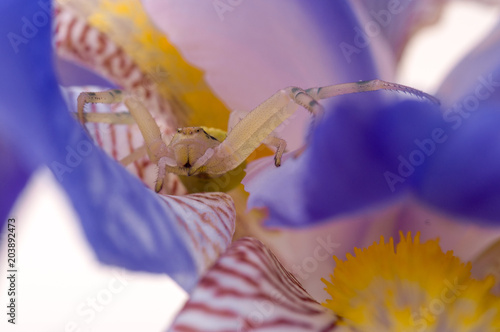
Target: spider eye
[
  {"x": 179, "y": 130},
  {"x": 197, "y": 130}
]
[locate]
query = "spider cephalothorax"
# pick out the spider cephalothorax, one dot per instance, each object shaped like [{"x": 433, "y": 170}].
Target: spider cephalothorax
[{"x": 188, "y": 145}]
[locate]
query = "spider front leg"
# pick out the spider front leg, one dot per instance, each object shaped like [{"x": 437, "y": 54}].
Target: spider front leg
[
  {"x": 125, "y": 118},
  {"x": 165, "y": 164},
  {"x": 258, "y": 124},
  {"x": 158, "y": 151},
  {"x": 257, "y": 127},
  {"x": 103, "y": 97},
  {"x": 364, "y": 86},
  {"x": 154, "y": 146},
  {"x": 150, "y": 131}
]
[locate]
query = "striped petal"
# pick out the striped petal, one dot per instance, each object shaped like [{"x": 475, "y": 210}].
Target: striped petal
[
  {"x": 117, "y": 40},
  {"x": 248, "y": 289},
  {"x": 127, "y": 224},
  {"x": 81, "y": 43},
  {"x": 206, "y": 222},
  {"x": 76, "y": 41}
]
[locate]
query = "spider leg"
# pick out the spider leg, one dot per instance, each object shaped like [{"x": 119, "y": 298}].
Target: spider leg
[
  {"x": 103, "y": 97},
  {"x": 363, "y": 86},
  {"x": 158, "y": 151},
  {"x": 111, "y": 118},
  {"x": 197, "y": 166},
  {"x": 258, "y": 124},
  {"x": 134, "y": 155},
  {"x": 117, "y": 118},
  {"x": 279, "y": 144},
  {"x": 108, "y": 97},
  {"x": 166, "y": 164},
  {"x": 305, "y": 99},
  {"x": 271, "y": 140},
  {"x": 234, "y": 117},
  {"x": 155, "y": 146}
]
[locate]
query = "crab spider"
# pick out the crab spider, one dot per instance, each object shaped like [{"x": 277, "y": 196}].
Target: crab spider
[{"x": 193, "y": 151}]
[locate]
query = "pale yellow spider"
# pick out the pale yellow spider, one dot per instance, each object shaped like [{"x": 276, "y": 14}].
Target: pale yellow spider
[{"x": 194, "y": 152}]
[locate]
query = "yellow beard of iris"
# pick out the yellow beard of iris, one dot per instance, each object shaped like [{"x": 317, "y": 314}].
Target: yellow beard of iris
[{"x": 416, "y": 287}]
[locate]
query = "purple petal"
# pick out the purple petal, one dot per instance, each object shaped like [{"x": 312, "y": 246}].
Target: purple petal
[
  {"x": 249, "y": 290},
  {"x": 70, "y": 74},
  {"x": 361, "y": 158},
  {"x": 463, "y": 176},
  {"x": 354, "y": 153},
  {"x": 127, "y": 224},
  {"x": 13, "y": 177}
]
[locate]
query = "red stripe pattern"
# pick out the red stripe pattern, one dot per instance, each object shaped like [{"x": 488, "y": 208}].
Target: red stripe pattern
[
  {"x": 120, "y": 140},
  {"x": 79, "y": 42},
  {"x": 207, "y": 221},
  {"x": 249, "y": 290}
]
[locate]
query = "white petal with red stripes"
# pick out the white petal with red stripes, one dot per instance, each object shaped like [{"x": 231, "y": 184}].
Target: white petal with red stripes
[{"x": 249, "y": 290}]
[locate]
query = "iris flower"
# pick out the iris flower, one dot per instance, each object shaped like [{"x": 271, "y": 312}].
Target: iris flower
[{"x": 349, "y": 177}]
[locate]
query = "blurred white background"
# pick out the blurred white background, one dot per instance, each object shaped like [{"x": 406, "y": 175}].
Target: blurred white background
[
  {"x": 434, "y": 51},
  {"x": 58, "y": 274}
]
